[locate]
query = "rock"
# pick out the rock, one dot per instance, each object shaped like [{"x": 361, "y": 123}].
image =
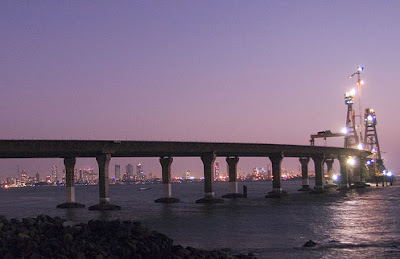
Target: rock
[
  {"x": 46, "y": 237},
  {"x": 23, "y": 236},
  {"x": 69, "y": 224},
  {"x": 310, "y": 243},
  {"x": 68, "y": 238}
]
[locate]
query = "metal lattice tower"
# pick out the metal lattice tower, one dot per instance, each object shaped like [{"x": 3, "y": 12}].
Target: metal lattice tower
[
  {"x": 371, "y": 142},
  {"x": 351, "y": 139}
]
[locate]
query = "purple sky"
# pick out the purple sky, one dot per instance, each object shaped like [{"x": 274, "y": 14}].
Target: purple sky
[{"x": 237, "y": 71}]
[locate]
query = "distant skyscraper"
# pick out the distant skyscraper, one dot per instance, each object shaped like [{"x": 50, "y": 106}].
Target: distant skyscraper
[
  {"x": 216, "y": 170},
  {"x": 75, "y": 175},
  {"x": 139, "y": 172},
  {"x": 54, "y": 174},
  {"x": 117, "y": 172},
  {"x": 80, "y": 175},
  {"x": 129, "y": 171},
  {"x": 37, "y": 177}
]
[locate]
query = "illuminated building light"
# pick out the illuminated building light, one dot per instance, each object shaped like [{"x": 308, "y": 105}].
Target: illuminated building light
[{"x": 351, "y": 161}]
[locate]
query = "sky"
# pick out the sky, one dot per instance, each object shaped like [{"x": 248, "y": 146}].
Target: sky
[{"x": 220, "y": 71}]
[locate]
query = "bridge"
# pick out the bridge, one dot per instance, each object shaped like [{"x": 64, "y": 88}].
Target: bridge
[{"x": 104, "y": 150}]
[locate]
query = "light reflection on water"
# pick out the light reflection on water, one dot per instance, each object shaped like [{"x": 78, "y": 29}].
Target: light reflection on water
[{"x": 357, "y": 223}]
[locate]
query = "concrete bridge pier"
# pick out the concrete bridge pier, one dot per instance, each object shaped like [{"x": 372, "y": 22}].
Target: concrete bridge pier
[
  {"x": 359, "y": 173},
  {"x": 276, "y": 160},
  {"x": 319, "y": 174},
  {"x": 329, "y": 165},
  {"x": 208, "y": 162},
  {"x": 343, "y": 173},
  {"x": 233, "y": 184},
  {"x": 103, "y": 161},
  {"x": 69, "y": 164},
  {"x": 304, "y": 174},
  {"x": 166, "y": 181}
]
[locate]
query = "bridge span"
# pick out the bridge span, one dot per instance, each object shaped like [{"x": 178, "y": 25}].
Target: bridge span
[{"x": 104, "y": 150}]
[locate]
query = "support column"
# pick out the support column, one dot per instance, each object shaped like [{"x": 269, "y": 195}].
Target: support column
[
  {"x": 103, "y": 161},
  {"x": 319, "y": 175},
  {"x": 166, "y": 181},
  {"x": 329, "y": 164},
  {"x": 359, "y": 173},
  {"x": 69, "y": 164},
  {"x": 233, "y": 184},
  {"x": 304, "y": 174},
  {"x": 343, "y": 173},
  {"x": 276, "y": 160},
  {"x": 208, "y": 162}
]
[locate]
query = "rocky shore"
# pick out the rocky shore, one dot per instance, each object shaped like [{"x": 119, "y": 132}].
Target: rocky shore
[{"x": 47, "y": 237}]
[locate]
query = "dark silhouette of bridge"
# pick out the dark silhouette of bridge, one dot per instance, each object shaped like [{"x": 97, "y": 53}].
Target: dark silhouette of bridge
[{"x": 104, "y": 150}]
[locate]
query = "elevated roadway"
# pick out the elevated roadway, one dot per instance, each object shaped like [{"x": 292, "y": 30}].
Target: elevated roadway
[{"x": 103, "y": 150}]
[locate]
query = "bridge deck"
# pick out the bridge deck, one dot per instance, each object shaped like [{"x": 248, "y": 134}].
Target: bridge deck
[{"x": 92, "y": 148}]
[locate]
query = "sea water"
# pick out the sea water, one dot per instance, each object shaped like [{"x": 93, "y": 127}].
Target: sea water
[{"x": 359, "y": 223}]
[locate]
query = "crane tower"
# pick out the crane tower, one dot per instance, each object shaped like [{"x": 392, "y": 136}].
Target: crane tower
[
  {"x": 351, "y": 139},
  {"x": 371, "y": 142}
]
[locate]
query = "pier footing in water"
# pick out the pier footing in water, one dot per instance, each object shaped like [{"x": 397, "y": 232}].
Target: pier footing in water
[{"x": 70, "y": 205}]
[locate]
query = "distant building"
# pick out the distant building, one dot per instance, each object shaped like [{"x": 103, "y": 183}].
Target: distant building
[
  {"x": 139, "y": 172},
  {"x": 117, "y": 172},
  {"x": 37, "y": 177},
  {"x": 80, "y": 178},
  {"x": 11, "y": 181},
  {"x": 187, "y": 175},
  {"x": 129, "y": 171},
  {"x": 54, "y": 174},
  {"x": 216, "y": 171},
  {"x": 75, "y": 175}
]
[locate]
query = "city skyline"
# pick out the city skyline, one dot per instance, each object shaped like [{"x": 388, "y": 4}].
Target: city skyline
[
  {"x": 263, "y": 72},
  {"x": 55, "y": 174}
]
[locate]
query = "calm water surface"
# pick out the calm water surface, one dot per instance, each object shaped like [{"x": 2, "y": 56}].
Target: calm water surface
[{"x": 357, "y": 223}]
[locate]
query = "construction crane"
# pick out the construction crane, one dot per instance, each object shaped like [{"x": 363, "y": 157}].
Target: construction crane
[
  {"x": 359, "y": 93},
  {"x": 325, "y": 134}
]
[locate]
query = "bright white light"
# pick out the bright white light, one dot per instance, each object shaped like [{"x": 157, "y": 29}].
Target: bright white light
[
  {"x": 360, "y": 146},
  {"x": 361, "y": 82},
  {"x": 360, "y": 68},
  {"x": 351, "y": 161},
  {"x": 368, "y": 162},
  {"x": 373, "y": 150},
  {"x": 335, "y": 177},
  {"x": 390, "y": 174},
  {"x": 345, "y": 130},
  {"x": 352, "y": 92},
  {"x": 370, "y": 117}
]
